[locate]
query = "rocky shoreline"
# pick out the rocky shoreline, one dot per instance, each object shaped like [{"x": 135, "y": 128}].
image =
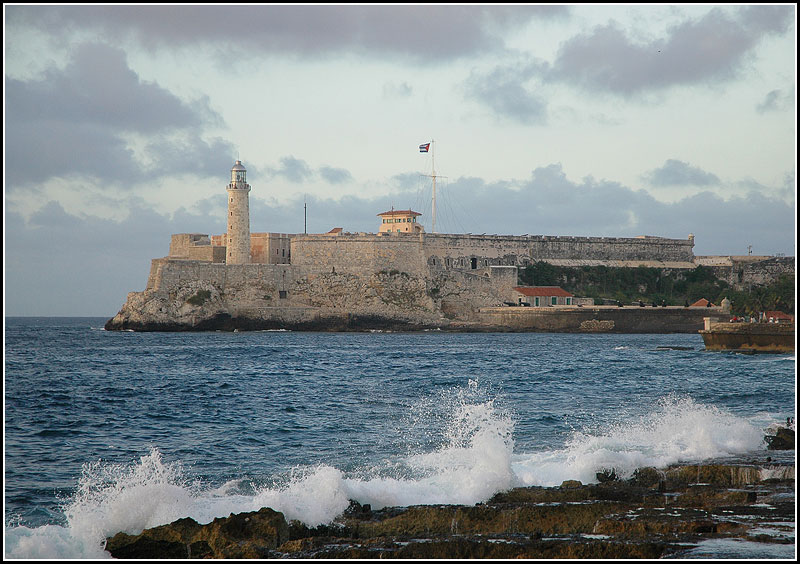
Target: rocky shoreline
[{"x": 656, "y": 513}]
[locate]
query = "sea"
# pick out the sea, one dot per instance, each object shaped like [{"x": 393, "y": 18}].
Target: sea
[{"x": 111, "y": 431}]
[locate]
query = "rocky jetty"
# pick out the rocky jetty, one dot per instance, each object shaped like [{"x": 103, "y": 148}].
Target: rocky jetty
[{"x": 656, "y": 513}]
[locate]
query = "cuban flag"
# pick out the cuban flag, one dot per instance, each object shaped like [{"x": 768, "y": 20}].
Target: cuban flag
[{"x": 424, "y": 147}]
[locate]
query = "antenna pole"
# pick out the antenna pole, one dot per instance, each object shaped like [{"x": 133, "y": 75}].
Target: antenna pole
[{"x": 305, "y": 218}]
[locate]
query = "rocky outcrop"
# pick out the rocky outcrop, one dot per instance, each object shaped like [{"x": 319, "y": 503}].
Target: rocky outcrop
[
  {"x": 246, "y": 535},
  {"x": 386, "y": 300},
  {"x": 655, "y": 513},
  {"x": 783, "y": 439}
]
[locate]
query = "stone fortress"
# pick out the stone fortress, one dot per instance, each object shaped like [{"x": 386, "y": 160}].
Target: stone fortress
[{"x": 398, "y": 278}]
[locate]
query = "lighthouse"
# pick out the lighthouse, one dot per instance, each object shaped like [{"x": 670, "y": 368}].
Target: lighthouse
[{"x": 238, "y": 235}]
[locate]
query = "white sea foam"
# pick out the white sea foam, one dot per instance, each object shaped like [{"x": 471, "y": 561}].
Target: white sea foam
[
  {"x": 472, "y": 460},
  {"x": 678, "y": 430}
]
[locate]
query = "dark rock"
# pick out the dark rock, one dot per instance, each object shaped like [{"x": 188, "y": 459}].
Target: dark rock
[
  {"x": 245, "y": 535},
  {"x": 606, "y": 476},
  {"x": 655, "y": 514},
  {"x": 782, "y": 440}
]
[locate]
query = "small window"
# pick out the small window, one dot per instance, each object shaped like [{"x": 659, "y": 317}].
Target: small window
[
  {"x": 569, "y": 301},
  {"x": 553, "y": 300},
  {"x": 536, "y": 301},
  {"x": 282, "y": 294}
]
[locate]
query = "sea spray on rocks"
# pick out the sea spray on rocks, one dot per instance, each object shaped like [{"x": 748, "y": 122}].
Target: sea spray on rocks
[
  {"x": 678, "y": 429},
  {"x": 471, "y": 462}
]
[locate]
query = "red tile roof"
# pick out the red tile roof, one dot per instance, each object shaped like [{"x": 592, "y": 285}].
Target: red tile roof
[
  {"x": 547, "y": 291},
  {"x": 778, "y": 315},
  {"x": 702, "y": 302},
  {"x": 400, "y": 212}
]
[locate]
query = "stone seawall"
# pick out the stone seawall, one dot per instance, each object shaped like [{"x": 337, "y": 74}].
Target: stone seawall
[
  {"x": 599, "y": 319},
  {"x": 751, "y": 337}
]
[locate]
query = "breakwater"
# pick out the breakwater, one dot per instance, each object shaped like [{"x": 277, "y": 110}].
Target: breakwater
[{"x": 600, "y": 319}]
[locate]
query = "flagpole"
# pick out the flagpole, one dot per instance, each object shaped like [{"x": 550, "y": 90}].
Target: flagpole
[{"x": 433, "y": 203}]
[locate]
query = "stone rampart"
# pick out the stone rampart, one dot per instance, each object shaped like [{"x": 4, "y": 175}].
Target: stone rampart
[
  {"x": 459, "y": 294},
  {"x": 362, "y": 254},
  {"x": 166, "y": 274},
  {"x": 195, "y": 246},
  {"x": 600, "y": 319},
  {"x": 480, "y": 251},
  {"x": 743, "y": 272}
]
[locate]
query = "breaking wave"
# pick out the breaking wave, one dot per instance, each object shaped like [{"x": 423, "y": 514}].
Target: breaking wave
[{"x": 469, "y": 460}]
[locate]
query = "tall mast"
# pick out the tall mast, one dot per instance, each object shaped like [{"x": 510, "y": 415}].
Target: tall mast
[
  {"x": 433, "y": 203},
  {"x": 429, "y": 149}
]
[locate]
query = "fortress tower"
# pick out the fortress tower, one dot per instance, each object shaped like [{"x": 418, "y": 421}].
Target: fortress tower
[{"x": 238, "y": 235}]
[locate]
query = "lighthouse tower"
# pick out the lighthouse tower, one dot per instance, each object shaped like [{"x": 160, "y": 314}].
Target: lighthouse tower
[{"x": 238, "y": 243}]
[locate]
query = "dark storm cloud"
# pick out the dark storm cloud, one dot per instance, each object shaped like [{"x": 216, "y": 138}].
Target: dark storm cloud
[
  {"x": 696, "y": 51},
  {"x": 424, "y": 32},
  {"x": 73, "y": 121},
  {"x": 679, "y": 173}
]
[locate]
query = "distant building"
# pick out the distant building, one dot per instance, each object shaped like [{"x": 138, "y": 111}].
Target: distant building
[
  {"x": 543, "y": 296},
  {"x": 777, "y": 317},
  {"x": 400, "y": 221}
]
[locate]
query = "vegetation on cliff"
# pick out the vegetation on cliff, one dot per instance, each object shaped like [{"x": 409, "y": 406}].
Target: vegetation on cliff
[
  {"x": 656, "y": 285},
  {"x": 778, "y": 296}
]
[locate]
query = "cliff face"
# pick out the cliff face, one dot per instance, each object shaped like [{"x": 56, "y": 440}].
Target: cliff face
[{"x": 192, "y": 296}]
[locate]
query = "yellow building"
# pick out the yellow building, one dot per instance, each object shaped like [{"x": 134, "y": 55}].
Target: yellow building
[{"x": 400, "y": 221}]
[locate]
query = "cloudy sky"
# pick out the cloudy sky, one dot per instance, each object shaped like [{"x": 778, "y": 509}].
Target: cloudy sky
[{"x": 122, "y": 124}]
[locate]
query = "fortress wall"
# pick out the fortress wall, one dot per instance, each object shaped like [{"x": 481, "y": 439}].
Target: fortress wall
[
  {"x": 181, "y": 243},
  {"x": 460, "y": 293},
  {"x": 359, "y": 254},
  {"x": 745, "y": 273},
  {"x": 742, "y": 272},
  {"x": 167, "y": 274},
  {"x": 767, "y": 271},
  {"x": 195, "y": 246},
  {"x": 270, "y": 248},
  {"x": 479, "y": 251}
]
